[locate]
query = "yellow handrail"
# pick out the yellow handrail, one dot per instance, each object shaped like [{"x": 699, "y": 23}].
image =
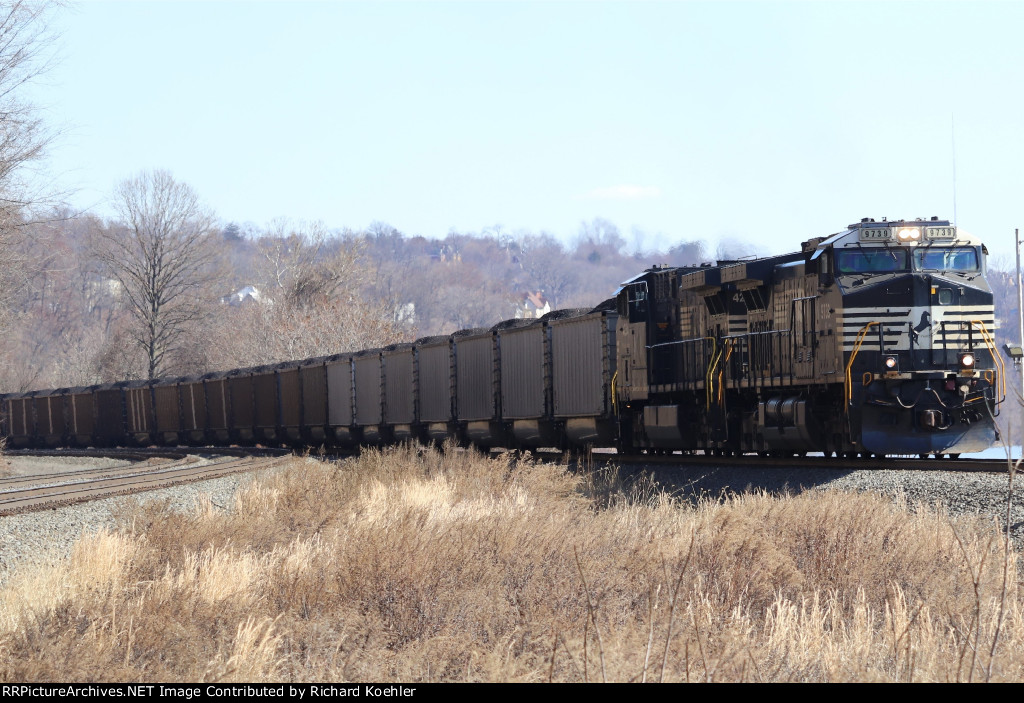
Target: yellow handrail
[
  {"x": 848, "y": 385},
  {"x": 615, "y": 404},
  {"x": 707, "y": 374},
  {"x": 709, "y": 377},
  {"x": 991, "y": 344},
  {"x": 985, "y": 334},
  {"x": 729, "y": 344}
]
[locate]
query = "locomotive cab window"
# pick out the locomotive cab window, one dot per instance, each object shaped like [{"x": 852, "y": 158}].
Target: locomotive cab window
[
  {"x": 880, "y": 260},
  {"x": 947, "y": 259},
  {"x": 636, "y": 300}
]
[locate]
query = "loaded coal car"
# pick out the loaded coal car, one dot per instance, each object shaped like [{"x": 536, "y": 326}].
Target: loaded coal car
[
  {"x": 340, "y": 398},
  {"x": 399, "y": 374},
  {"x": 167, "y": 407},
  {"x": 140, "y": 417},
  {"x": 526, "y": 403},
  {"x": 193, "y": 410},
  {"x": 266, "y": 420},
  {"x": 369, "y": 400},
  {"x": 213, "y": 387},
  {"x": 242, "y": 417},
  {"x": 289, "y": 409},
  {"x": 583, "y": 373},
  {"x": 80, "y": 415},
  {"x": 109, "y": 428},
  {"x": 434, "y": 386},
  {"x": 478, "y": 388},
  {"x": 19, "y": 420},
  {"x": 877, "y": 340},
  {"x": 313, "y": 389}
]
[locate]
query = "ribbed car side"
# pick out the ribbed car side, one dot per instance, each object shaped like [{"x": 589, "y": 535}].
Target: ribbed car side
[{"x": 521, "y": 383}]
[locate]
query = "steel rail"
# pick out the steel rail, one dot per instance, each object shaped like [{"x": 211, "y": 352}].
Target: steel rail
[
  {"x": 10, "y": 482},
  {"x": 962, "y": 465},
  {"x": 160, "y": 476}
]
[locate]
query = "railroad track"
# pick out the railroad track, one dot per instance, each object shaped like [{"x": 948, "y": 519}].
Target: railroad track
[
  {"x": 156, "y": 469},
  {"x": 160, "y": 468},
  {"x": 964, "y": 465}
]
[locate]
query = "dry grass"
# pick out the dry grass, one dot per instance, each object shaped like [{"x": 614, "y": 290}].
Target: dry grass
[{"x": 433, "y": 566}]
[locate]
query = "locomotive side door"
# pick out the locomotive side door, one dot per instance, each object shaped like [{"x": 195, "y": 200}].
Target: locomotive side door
[
  {"x": 631, "y": 342},
  {"x": 804, "y": 326}
]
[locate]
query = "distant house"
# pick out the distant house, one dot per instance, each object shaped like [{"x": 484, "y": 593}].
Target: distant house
[
  {"x": 242, "y": 296},
  {"x": 406, "y": 314},
  {"x": 446, "y": 254},
  {"x": 532, "y": 305}
]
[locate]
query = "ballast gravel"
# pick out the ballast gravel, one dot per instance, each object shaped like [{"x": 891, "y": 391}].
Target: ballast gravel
[
  {"x": 961, "y": 493},
  {"x": 48, "y": 535},
  {"x": 40, "y": 537}
]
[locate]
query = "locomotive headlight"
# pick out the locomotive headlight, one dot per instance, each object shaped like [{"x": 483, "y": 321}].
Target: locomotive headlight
[
  {"x": 908, "y": 234},
  {"x": 891, "y": 363},
  {"x": 967, "y": 360}
]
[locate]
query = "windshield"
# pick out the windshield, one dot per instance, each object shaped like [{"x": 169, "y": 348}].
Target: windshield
[
  {"x": 953, "y": 259},
  {"x": 872, "y": 260}
]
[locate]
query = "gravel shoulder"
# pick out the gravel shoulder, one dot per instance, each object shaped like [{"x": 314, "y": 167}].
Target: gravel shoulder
[
  {"x": 961, "y": 493},
  {"x": 12, "y": 466},
  {"x": 45, "y": 536}
]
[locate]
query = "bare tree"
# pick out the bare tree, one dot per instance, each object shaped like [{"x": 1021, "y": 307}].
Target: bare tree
[
  {"x": 301, "y": 265},
  {"x": 287, "y": 251},
  {"x": 161, "y": 253},
  {"x": 550, "y": 270},
  {"x": 261, "y": 333},
  {"x": 598, "y": 237},
  {"x": 26, "y": 42}
]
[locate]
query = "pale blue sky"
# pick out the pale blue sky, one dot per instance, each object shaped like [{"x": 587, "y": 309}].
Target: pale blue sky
[{"x": 769, "y": 122}]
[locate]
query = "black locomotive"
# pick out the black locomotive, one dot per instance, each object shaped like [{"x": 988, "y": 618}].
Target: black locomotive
[{"x": 876, "y": 340}]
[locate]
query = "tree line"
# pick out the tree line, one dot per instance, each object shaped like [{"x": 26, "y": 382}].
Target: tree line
[{"x": 162, "y": 289}]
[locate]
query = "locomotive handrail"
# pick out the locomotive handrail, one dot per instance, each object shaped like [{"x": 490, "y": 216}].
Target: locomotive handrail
[
  {"x": 730, "y": 344},
  {"x": 769, "y": 371},
  {"x": 615, "y": 404},
  {"x": 986, "y": 335},
  {"x": 696, "y": 357},
  {"x": 848, "y": 384},
  {"x": 990, "y": 343},
  {"x": 707, "y": 374}
]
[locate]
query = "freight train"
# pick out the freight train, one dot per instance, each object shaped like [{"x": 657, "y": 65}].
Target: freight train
[{"x": 877, "y": 340}]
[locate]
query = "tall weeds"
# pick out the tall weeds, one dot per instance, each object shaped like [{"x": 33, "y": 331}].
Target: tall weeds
[{"x": 448, "y": 566}]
